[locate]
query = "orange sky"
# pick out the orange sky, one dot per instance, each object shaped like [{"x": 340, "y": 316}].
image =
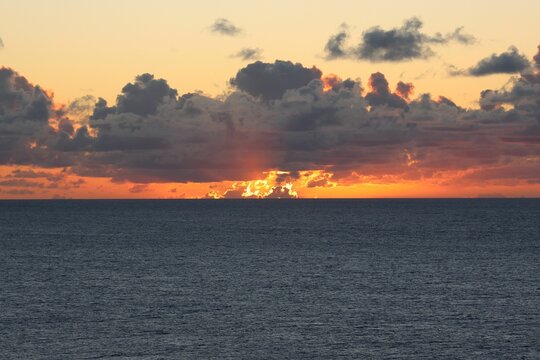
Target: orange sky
[
  {"x": 189, "y": 131},
  {"x": 98, "y": 188}
]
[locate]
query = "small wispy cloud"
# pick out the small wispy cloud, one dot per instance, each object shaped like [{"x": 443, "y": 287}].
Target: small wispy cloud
[
  {"x": 1, "y": 43},
  {"x": 248, "y": 54},
  {"x": 139, "y": 188},
  {"x": 225, "y": 27}
]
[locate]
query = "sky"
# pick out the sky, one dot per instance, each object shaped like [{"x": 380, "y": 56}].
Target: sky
[{"x": 213, "y": 99}]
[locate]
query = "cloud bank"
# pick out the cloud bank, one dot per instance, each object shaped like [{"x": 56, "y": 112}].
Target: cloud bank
[{"x": 280, "y": 118}]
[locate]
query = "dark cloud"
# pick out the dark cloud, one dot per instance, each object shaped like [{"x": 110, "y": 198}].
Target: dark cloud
[
  {"x": 523, "y": 94},
  {"x": 25, "y": 110},
  {"x": 15, "y": 91},
  {"x": 380, "y": 93},
  {"x": 304, "y": 124},
  {"x": 270, "y": 81},
  {"x": 101, "y": 110},
  {"x": 225, "y": 27},
  {"x": 404, "y": 90},
  {"x": 508, "y": 62},
  {"x": 335, "y": 46},
  {"x": 23, "y": 183},
  {"x": 16, "y": 192},
  {"x": 304, "y": 128},
  {"x": 536, "y": 57},
  {"x": 399, "y": 44},
  {"x": 144, "y": 95},
  {"x": 31, "y": 174},
  {"x": 447, "y": 101},
  {"x": 407, "y": 42},
  {"x": 249, "y": 54},
  {"x": 139, "y": 188},
  {"x": 43, "y": 180}
]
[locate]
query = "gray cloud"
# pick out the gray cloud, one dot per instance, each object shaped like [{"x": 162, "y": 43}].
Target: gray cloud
[
  {"x": 335, "y": 46},
  {"x": 404, "y": 90},
  {"x": 225, "y": 27},
  {"x": 279, "y": 116},
  {"x": 270, "y": 81},
  {"x": 248, "y": 54},
  {"x": 16, "y": 192},
  {"x": 407, "y": 42},
  {"x": 144, "y": 95},
  {"x": 31, "y": 174},
  {"x": 20, "y": 180},
  {"x": 141, "y": 97},
  {"x": 24, "y": 113},
  {"x": 380, "y": 93},
  {"x": 509, "y": 62},
  {"x": 446, "y": 101},
  {"x": 139, "y": 188},
  {"x": 523, "y": 94},
  {"x": 21, "y": 183}
]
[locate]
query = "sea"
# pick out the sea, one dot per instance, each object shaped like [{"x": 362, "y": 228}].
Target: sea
[{"x": 270, "y": 279}]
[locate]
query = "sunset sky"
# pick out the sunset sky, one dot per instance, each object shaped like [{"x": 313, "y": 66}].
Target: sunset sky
[{"x": 213, "y": 99}]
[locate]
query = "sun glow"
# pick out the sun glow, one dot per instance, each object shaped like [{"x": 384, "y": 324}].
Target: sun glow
[
  {"x": 276, "y": 184},
  {"x": 330, "y": 81}
]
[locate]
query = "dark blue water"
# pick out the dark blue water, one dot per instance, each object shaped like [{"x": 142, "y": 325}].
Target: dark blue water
[{"x": 416, "y": 279}]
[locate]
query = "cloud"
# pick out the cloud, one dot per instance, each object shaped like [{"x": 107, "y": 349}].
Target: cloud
[
  {"x": 1, "y": 43},
  {"x": 407, "y": 42},
  {"x": 281, "y": 192},
  {"x": 446, "y": 101},
  {"x": 225, "y": 27},
  {"x": 139, "y": 188},
  {"x": 144, "y": 95},
  {"x": 380, "y": 92},
  {"x": 31, "y": 174},
  {"x": 25, "y": 111},
  {"x": 509, "y": 62},
  {"x": 16, "y": 192},
  {"x": 276, "y": 185},
  {"x": 280, "y": 117},
  {"x": 270, "y": 81},
  {"x": 43, "y": 179},
  {"x": 404, "y": 90},
  {"x": 523, "y": 94},
  {"x": 335, "y": 46},
  {"x": 248, "y": 54},
  {"x": 536, "y": 57},
  {"x": 21, "y": 183}
]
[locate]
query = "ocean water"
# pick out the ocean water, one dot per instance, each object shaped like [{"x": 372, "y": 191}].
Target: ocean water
[{"x": 368, "y": 279}]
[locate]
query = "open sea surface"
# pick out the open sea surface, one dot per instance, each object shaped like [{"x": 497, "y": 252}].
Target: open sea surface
[{"x": 329, "y": 279}]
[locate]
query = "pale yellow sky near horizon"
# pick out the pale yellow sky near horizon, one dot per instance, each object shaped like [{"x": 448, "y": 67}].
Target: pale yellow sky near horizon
[{"x": 95, "y": 47}]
